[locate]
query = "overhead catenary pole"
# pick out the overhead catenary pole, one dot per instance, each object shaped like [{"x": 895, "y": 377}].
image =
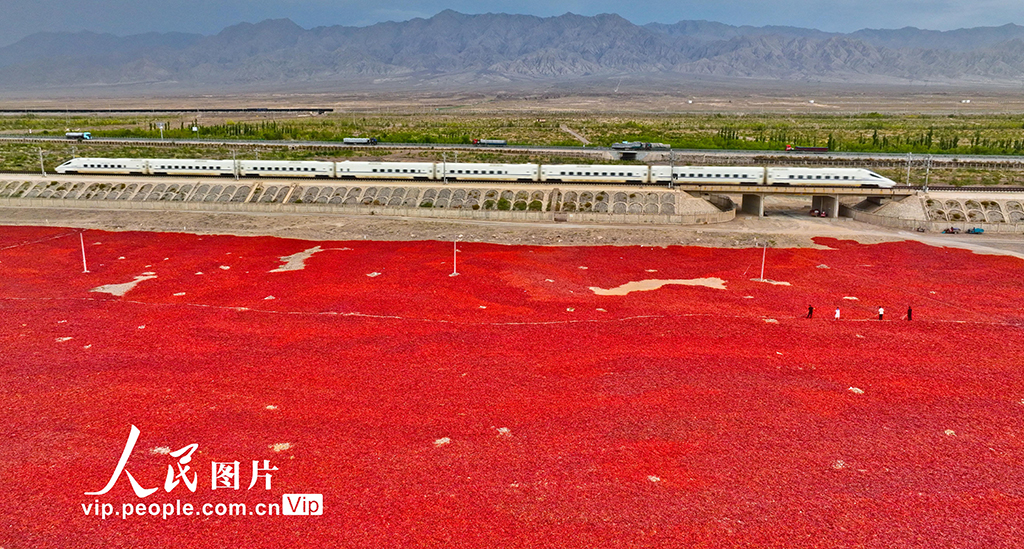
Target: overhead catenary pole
[
  {"x": 671, "y": 168},
  {"x": 927, "y": 172},
  {"x": 42, "y": 167}
]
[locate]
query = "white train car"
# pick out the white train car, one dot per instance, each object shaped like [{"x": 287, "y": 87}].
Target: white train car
[
  {"x": 834, "y": 177},
  {"x": 282, "y": 168},
  {"x": 385, "y": 170},
  {"x": 493, "y": 172},
  {"x": 605, "y": 173},
  {"x": 709, "y": 175},
  {"x": 190, "y": 166},
  {"x": 127, "y": 166}
]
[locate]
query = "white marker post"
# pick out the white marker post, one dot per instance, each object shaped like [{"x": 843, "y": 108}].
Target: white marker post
[
  {"x": 455, "y": 257},
  {"x": 85, "y": 268},
  {"x": 764, "y": 252}
]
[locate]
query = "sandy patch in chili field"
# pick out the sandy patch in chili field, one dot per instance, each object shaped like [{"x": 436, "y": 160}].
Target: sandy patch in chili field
[{"x": 509, "y": 406}]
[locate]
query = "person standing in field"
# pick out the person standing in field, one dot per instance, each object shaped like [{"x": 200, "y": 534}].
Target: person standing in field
[
  {"x": 881, "y": 312},
  {"x": 837, "y": 313},
  {"x": 810, "y": 311},
  {"x": 910, "y": 313}
]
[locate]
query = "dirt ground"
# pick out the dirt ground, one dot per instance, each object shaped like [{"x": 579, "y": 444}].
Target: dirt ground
[
  {"x": 786, "y": 225},
  {"x": 596, "y": 95}
]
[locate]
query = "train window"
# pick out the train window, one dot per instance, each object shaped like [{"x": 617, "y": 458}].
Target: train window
[
  {"x": 375, "y": 170},
  {"x": 819, "y": 177}
]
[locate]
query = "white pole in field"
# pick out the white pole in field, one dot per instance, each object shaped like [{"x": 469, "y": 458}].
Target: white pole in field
[
  {"x": 455, "y": 257},
  {"x": 81, "y": 239},
  {"x": 42, "y": 167},
  {"x": 764, "y": 252}
]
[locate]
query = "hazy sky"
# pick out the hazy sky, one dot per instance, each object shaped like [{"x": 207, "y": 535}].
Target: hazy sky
[{"x": 22, "y": 17}]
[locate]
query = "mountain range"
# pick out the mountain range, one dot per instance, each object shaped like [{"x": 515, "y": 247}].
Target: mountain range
[{"x": 502, "y": 48}]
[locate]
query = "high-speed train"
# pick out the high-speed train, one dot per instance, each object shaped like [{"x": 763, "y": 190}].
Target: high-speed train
[{"x": 454, "y": 171}]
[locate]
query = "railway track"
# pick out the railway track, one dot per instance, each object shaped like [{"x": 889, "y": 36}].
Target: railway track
[
  {"x": 478, "y": 182},
  {"x": 680, "y": 156},
  {"x": 975, "y": 189}
]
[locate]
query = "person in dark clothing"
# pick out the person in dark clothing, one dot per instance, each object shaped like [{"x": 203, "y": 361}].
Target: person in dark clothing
[
  {"x": 810, "y": 311},
  {"x": 881, "y": 311},
  {"x": 910, "y": 313}
]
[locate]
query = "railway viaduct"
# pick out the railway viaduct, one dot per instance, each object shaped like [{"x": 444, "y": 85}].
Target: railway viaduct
[{"x": 823, "y": 198}]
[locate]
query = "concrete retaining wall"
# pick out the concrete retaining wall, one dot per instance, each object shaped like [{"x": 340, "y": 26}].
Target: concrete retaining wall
[{"x": 930, "y": 226}]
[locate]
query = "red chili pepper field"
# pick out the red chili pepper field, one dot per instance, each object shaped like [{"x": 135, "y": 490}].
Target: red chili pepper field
[{"x": 513, "y": 405}]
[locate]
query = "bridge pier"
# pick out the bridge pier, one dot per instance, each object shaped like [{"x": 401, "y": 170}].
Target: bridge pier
[
  {"x": 827, "y": 203},
  {"x": 753, "y": 204}
]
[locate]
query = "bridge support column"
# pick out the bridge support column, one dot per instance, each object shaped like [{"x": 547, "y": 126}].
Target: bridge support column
[
  {"x": 827, "y": 203},
  {"x": 753, "y": 204}
]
